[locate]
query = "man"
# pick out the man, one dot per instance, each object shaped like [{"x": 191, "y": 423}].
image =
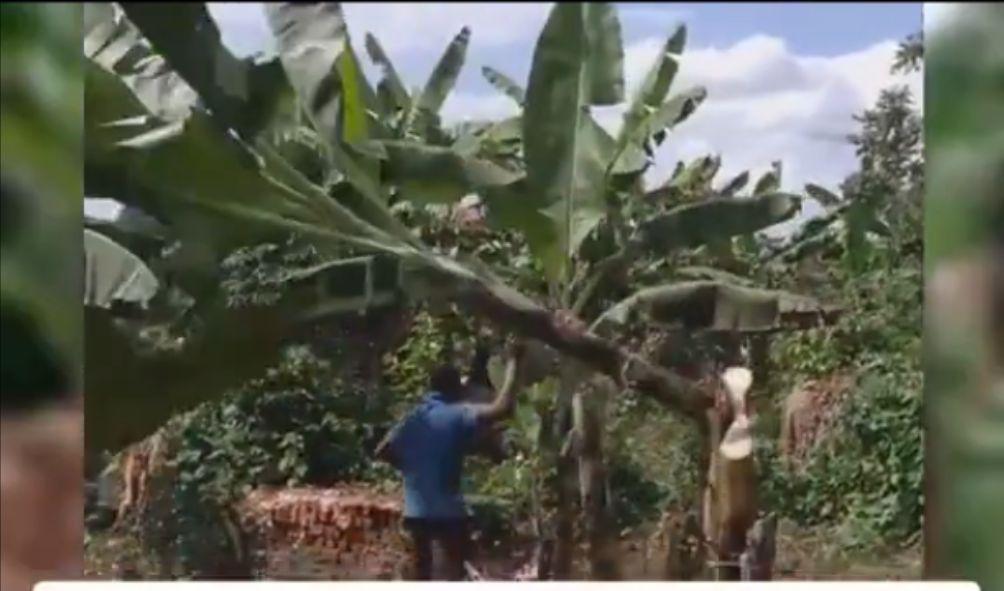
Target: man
[{"x": 428, "y": 447}]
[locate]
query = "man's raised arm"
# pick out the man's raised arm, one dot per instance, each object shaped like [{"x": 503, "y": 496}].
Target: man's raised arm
[{"x": 505, "y": 402}]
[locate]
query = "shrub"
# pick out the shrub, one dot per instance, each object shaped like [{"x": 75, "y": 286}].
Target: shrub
[{"x": 297, "y": 425}]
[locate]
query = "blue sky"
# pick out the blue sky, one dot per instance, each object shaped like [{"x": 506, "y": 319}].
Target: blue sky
[
  {"x": 814, "y": 28},
  {"x": 783, "y": 79}
]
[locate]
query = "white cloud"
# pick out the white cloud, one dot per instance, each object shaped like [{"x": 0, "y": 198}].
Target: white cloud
[
  {"x": 767, "y": 103},
  {"x": 406, "y": 26},
  {"x": 461, "y": 106},
  {"x": 400, "y": 26},
  {"x": 243, "y": 27}
]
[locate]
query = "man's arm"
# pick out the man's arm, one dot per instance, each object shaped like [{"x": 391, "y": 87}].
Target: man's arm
[
  {"x": 505, "y": 402},
  {"x": 385, "y": 449}
]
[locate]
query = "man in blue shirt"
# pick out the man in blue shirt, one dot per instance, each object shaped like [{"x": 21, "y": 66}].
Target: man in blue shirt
[{"x": 428, "y": 447}]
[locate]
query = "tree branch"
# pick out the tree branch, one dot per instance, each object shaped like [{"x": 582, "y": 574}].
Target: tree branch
[{"x": 514, "y": 312}]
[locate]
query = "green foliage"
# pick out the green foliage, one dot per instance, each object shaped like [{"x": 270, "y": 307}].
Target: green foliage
[
  {"x": 637, "y": 498},
  {"x": 257, "y": 275},
  {"x": 867, "y": 474},
  {"x": 433, "y": 340},
  {"x": 295, "y": 426},
  {"x": 653, "y": 460}
]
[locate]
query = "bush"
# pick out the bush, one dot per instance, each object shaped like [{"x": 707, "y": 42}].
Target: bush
[
  {"x": 297, "y": 425},
  {"x": 868, "y": 472}
]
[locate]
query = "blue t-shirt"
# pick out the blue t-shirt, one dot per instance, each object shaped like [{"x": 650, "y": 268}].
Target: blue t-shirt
[{"x": 430, "y": 445}]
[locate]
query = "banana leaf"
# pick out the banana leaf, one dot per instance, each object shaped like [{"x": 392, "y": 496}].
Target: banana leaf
[
  {"x": 391, "y": 88},
  {"x": 655, "y": 86},
  {"x": 240, "y": 93},
  {"x": 117, "y": 46},
  {"x": 319, "y": 61},
  {"x": 504, "y": 84},
  {"x": 735, "y": 185},
  {"x": 577, "y": 63},
  {"x": 699, "y": 223},
  {"x": 432, "y": 174},
  {"x": 770, "y": 182},
  {"x": 824, "y": 196},
  {"x": 424, "y": 116},
  {"x": 716, "y": 306},
  {"x": 114, "y": 276}
]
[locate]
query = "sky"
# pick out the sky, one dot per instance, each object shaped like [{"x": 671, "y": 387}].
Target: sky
[{"x": 783, "y": 79}]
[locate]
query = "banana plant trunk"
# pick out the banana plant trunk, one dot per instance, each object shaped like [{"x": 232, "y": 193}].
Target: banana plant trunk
[
  {"x": 589, "y": 412},
  {"x": 730, "y": 500},
  {"x": 565, "y": 481},
  {"x": 558, "y": 487}
]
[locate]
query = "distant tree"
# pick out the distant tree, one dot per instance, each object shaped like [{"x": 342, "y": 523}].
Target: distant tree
[{"x": 910, "y": 55}]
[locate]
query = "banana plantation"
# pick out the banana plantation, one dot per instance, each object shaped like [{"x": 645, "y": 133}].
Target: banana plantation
[{"x": 300, "y": 247}]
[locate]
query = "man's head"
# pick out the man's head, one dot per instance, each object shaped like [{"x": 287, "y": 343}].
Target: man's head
[{"x": 446, "y": 381}]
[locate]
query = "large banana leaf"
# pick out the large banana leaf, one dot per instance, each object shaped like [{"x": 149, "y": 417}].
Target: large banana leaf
[
  {"x": 716, "y": 306},
  {"x": 317, "y": 56},
  {"x": 824, "y": 196},
  {"x": 391, "y": 89},
  {"x": 504, "y": 84},
  {"x": 134, "y": 230},
  {"x": 319, "y": 61},
  {"x": 512, "y": 206},
  {"x": 661, "y": 118},
  {"x": 221, "y": 175},
  {"x": 770, "y": 182},
  {"x": 578, "y": 62},
  {"x": 312, "y": 37},
  {"x": 433, "y": 174},
  {"x": 735, "y": 185},
  {"x": 424, "y": 115},
  {"x": 115, "y": 276},
  {"x": 240, "y": 93},
  {"x": 117, "y": 46},
  {"x": 710, "y": 222},
  {"x": 691, "y": 182},
  {"x": 653, "y": 90},
  {"x": 698, "y": 223},
  {"x": 496, "y": 139}
]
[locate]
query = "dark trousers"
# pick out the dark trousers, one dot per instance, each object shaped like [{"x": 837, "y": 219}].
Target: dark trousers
[{"x": 452, "y": 535}]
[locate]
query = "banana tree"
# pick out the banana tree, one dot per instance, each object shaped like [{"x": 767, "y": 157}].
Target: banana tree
[
  {"x": 416, "y": 115},
  {"x": 191, "y": 141},
  {"x": 593, "y": 225}
]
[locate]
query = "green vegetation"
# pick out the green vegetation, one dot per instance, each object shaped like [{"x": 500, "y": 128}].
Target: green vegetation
[{"x": 313, "y": 188}]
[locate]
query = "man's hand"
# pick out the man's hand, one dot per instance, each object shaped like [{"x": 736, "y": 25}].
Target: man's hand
[
  {"x": 515, "y": 348},
  {"x": 384, "y": 451},
  {"x": 504, "y": 404}
]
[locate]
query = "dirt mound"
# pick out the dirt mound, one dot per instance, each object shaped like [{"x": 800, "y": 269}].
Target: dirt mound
[
  {"x": 810, "y": 411},
  {"x": 348, "y": 533}
]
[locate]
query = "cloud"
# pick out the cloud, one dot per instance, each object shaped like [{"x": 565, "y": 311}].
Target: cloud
[
  {"x": 406, "y": 26},
  {"x": 243, "y": 26},
  {"x": 461, "y": 106},
  {"x": 768, "y": 103},
  {"x": 400, "y": 26}
]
